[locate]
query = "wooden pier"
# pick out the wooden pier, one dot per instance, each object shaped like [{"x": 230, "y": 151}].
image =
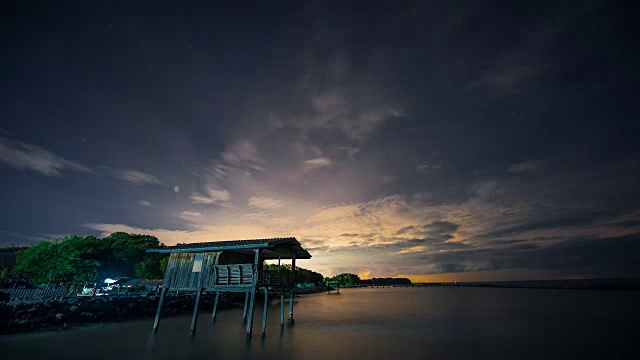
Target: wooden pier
[{"x": 232, "y": 266}]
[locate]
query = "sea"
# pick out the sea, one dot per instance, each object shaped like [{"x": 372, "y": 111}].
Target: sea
[{"x": 374, "y": 323}]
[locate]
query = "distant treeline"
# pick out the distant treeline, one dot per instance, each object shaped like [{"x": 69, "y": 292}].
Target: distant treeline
[
  {"x": 347, "y": 279},
  {"x": 386, "y": 281},
  {"x": 303, "y": 276}
]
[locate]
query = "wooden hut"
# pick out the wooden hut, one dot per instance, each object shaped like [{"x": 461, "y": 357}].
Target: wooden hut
[{"x": 232, "y": 266}]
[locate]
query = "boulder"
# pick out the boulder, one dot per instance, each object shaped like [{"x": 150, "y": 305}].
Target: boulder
[
  {"x": 73, "y": 308},
  {"x": 59, "y": 316}
]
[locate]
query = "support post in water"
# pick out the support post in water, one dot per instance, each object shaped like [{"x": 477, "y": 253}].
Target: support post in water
[
  {"x": 281, "y": 309},
  {"x": 253, "y": 291},
  {"x": 156, "y": 323},
  {"x": 293, "y": 286},
  {"x": 246, "y": 302},
  {"x": 264, "y": 314},
  {"x": 197, "y": 267},
  {"x": 215, "y": 306}
]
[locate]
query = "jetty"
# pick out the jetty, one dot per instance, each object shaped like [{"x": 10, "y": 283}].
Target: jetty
[{"x": 232, "y": 266}]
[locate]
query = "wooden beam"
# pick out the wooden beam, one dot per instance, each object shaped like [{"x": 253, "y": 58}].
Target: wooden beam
[
  {"x": 281, "y": 309},
  {"x": 293, "y": 286},
  {"x": 246, "y": 302},
  {"x": 156, "y": 323},
  {"x": 196, "y": 307},
  {"x": 215, "y": 306},
  {"x": 253, "y": 291},
  {"x": 264, "y": 314}
]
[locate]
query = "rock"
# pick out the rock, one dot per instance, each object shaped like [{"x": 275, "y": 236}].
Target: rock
[
  {"x": 36, "y": 320},
  {"x": 23, "y": 322},
  {"x": 32, "y": 310},
  {"x": 18, "y": 314},
  {"x": 73, "y": 308},
  {"x": 72, "y": 301},
  {"x": 59, "y": 316},
  {"x": 87, "y": 314},
  {"x": 25, "y": 317}
]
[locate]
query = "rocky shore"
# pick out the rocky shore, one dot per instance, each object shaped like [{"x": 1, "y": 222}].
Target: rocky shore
[{"x": 61, "y": 315}]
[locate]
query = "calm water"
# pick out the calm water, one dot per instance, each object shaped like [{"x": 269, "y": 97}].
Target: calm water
[{"x": 400, "y": 323}]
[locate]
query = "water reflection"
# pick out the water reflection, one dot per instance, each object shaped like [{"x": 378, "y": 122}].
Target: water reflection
[{"x": 437, "y": 323}]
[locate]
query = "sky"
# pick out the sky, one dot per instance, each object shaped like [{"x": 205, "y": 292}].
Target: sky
[{"x": 435, "y": 140}]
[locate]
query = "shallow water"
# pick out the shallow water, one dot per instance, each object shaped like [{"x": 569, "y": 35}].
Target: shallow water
[{"x": 402, "y": 323}]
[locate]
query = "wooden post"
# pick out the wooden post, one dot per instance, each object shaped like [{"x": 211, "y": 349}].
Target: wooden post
[
  {"x": 281, "y": 309},
  {"x": 293, "y": 286},
  {"x": 196, "y": 307},
  {"x": 264, "y": 314},
  {"x": 254, "y": 283},
  {"x": 244, "y": 312},
  {"x": 194, "y": 318},
  {"x": 215, "y": 306},
  {"x": 156, "y": 323},
  {"x": 163, "y": 293}
]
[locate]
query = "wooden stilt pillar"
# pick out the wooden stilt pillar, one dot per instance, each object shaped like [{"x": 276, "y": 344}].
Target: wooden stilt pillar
[
  {"x": 264, "y": 313},
  {"x": 197, "y": 267},
  {"x": 293, "y": 286},
  {"x": 156, "y": 323},
  {"x": 215, "y": 306},
  {"x": 253, "y": 292},
  {"x": 244, "y": 312},
  {"x": 281, "y": 309},
  {"x": 194, "y": 318}
]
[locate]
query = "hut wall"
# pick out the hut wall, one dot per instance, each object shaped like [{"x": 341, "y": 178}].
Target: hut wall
[{"x": 234, "y": 269}]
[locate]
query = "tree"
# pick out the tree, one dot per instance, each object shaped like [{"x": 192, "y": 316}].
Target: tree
[
  {"x": 150, "y": 267},
  {"x": 164, "y": 262},
  {"x": 91, "y": 259},
  {"x": 303, "y": 276}
]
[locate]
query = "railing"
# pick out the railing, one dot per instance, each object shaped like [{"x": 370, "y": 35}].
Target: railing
[{"x": 273, "y": 278}]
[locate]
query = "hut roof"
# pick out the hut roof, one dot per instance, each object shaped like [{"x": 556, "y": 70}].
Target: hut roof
[{"x": 273, "y": 248}]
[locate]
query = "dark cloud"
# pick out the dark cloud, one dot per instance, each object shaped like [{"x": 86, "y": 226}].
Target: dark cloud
[{"x": 423, "y": 137}]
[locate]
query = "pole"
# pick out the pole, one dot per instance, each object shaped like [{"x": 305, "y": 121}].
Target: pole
[
  {"x": 254, "y": 283},
  {"x": 156, "y": 323},
  {"x": 246, "y": 302},
  {"x": 293, "y": 286},
  {"x": 264, "y": 314},
  {"x": 215, "y": 306}
]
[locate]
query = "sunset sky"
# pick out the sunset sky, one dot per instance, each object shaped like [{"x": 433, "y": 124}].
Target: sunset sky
[{"x": 448, "y": 140}]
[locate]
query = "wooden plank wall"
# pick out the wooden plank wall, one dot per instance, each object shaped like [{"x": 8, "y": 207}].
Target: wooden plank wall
[{"x": 180, "y": 275}]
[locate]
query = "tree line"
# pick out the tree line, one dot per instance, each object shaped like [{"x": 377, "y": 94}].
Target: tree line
[
  {"x": 303, "y": 276},
  {"x": 90, "y": 259},
  {"x": 346, "y": 279}
]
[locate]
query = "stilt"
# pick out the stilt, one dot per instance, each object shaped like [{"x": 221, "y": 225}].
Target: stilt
[
  {"x": 251, "y": 303},
  {"x": 281, "y": 309},
  {"x": 264, "y": 314},
  {"x": 253, "y": 292},
  {"x": 215, "y": 306},
  {"x": 156, "y": 323},
  {"x": 194, "y": 318},
  {"x": 244, "y": 312},
  {"x": 291, "y": 309},
  {"x": 293, "y": 286}
]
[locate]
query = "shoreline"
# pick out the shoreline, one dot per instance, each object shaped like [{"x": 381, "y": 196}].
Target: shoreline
[{"x": 52, "y": 315}]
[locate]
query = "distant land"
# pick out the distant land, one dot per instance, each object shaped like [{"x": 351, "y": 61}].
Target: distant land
[{"x": 628, "y": 283}]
